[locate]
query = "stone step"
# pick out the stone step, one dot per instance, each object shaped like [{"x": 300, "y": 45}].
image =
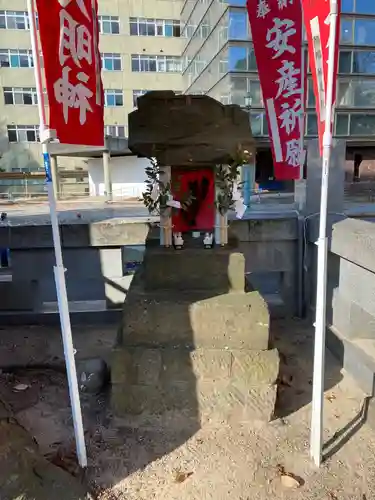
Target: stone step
[
  {"x": 204, "y": 402},
  {"x": 357, "y": 357},
  {"x": 180, "y": 387},
  {"x": 161, "y": 367},
  {"x": 220, "y": 269},
  {"x": 234, "y": 320}
]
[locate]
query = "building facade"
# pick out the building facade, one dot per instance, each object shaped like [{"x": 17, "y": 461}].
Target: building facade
[
  {"x": 140, "y": 44},
  {"x": 218, "y": 60}
]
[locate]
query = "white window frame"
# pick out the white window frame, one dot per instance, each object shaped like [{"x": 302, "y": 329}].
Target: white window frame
[
  {"x": 113, "y": 93},
  {"x": 108, "y": 129},
  {"x": 114, "y": 56},
  {"x": 159, "y": 26},
  {"x": 108, "y": 19},
  {"x": 21, "y": 132},
  {"x": 19, "y": 53},
  {"x": 161, "y": 63},
  {"x": 20, "y": 15},
  {"x": 21, "y": 91}
]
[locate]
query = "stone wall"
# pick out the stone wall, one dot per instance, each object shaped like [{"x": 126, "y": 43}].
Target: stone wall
[
  {"x": 95, "y": 256},
  {"x": 350, "y": 293}
]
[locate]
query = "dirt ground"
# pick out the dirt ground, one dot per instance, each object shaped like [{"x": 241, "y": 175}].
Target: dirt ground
[{"x": 215, "y": 463}]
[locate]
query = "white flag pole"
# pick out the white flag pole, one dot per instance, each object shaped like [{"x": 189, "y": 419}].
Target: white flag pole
[
  {"x": 316, "y": 441},
  {"x": 59, "y": 270}
]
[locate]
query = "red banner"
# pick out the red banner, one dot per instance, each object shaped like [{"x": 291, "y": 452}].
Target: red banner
[
  {"x": 276, "y": 27},
  {"x": 317, "y": 24},
  {"x": 69, "y": 38}
]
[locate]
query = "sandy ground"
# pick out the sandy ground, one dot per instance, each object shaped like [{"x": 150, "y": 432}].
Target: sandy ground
[{"x": 214, "y": 463}]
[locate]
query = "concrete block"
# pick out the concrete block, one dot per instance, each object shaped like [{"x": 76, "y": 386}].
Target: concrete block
[
  {"x": 220, "y": 269},
  {"x": 350, "y": 319},
  {"x": 27, "y": 237},
  {"x": 357, "y": 285},
  {"x": 114, "y": 232},
  {"x": 355, "y": 357},
  {"x": 246, "y": 230},
  {"x": 86, "y": 263},
  {"x": 236, "y": 320},
  {"x": 20, "y": 296},
  {"x": 270, "y": 256},
  {"x": 354, "y": 240}
]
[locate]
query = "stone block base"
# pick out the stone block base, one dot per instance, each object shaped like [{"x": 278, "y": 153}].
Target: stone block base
[
  {"x": 219, "y": 269},
  {"x": 182, "y": 387},
  {"x": 234, "y": 320}
]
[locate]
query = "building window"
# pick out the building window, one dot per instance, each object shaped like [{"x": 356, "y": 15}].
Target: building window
[
  {"x": 111, "y": 62},
  {"x": 115, "y": 130},
  {"x": 242, "y": 87},
  {"x": 241, "y": 58},
  {"x": 23, "y": 133},
  {"x": 15, "y": 58},
  {"x": 113, "y": 98},
  {"x": 109, "y": 25},
  {"x": 258, "y": 123},
  {"x": 358, "y": 6},
  {"x": 311, "y": 125},
  {"x": 140, "y": 26},
  {"x": 355, "y": 93},
  {"x": 160, "y": 64},
  {"x": 20, "y": 95},
  {"x": 238, "y": 25},
  {"x": 357, "y": 62},
  {"x": 357, "y": 31},
  {"x": 14, "y": 20}
]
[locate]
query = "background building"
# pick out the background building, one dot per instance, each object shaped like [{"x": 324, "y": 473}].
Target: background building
[
  {"x": 218, "y": 60},
  {"x": 140, "y": 43}
]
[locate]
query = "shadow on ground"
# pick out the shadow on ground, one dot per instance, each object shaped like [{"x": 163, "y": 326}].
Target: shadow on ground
[{"x": 295, "y": 343}]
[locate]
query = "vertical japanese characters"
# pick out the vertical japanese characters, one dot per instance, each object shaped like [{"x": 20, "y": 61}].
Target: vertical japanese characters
[
  {"x": 317, "y": 24},
  {"x": 276, "y": 27},
  {"x": 69, "y": 39}
]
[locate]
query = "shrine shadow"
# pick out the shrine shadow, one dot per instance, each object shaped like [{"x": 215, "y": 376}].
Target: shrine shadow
[{"x": 173, "y": 396}]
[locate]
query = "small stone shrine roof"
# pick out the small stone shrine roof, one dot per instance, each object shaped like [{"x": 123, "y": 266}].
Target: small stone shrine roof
[{"x": 188, "y": 130}]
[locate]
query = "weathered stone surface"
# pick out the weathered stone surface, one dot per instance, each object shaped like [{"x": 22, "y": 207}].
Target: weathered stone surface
[
  {"x": 354, "y": 240},
  {"x": 220, "y": 269},
  {"x": 188, "y": 129},
  {"x": 255, "y": 367},
  {"x": 109, "y": 233},
  {"x": 206, "y": 401},
  {"x": 165, "y": 367},
  {"x": 350, "y": 319},
  {"x": 236, "y": 320},
  {"x": 265, "y": 229}
]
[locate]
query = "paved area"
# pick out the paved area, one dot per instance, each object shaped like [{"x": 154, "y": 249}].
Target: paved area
[{"x": 224, "y": 463}]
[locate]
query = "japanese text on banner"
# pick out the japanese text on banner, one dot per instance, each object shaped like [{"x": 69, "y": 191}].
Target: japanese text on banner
[
  {"x": 276, "y": 27},
  {"x": 69, "y": 38},
  {"x": 317, "y": 24}
]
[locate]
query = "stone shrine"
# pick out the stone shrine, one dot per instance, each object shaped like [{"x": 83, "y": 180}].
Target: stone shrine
[{"x": 193, "y": 344}]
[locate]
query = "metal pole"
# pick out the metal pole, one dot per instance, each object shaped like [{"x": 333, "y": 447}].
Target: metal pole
[
  {"x": 316, "y": 440},
  {"x": 59, "y": 270},
  {"x": 107, "y": 176}
]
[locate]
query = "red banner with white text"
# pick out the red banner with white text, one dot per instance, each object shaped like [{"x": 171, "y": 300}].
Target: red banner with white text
[
  {"x": 276, "y": 28},
  {"x": 69, "y": 37},
  {"x": 317, "y": 25}
]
